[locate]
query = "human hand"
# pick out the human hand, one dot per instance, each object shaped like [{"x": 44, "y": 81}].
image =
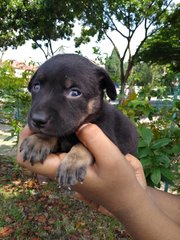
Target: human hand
[
  {"x": 111, "y": 176},
  {"x": 50, "y": 165},
  {"x": 108, "y": 160},
  {"x": 139, "y": 173},
  {"x": 117, "y": 184},
  {"x": 138, "y": 170}
]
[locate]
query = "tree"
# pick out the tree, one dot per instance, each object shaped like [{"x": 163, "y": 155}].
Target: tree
[
  {"x": 141, "y": 74},
  {"x": 41, "y": 21},
  {"x": 166, "y": 40},
  {"x": 9, "y": 37},
  {"x": 112, "y": 65},
  {"x": 124, "y": 18}
]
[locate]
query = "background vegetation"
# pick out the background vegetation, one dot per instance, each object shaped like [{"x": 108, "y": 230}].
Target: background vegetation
[{"x": 147, "y": 80}]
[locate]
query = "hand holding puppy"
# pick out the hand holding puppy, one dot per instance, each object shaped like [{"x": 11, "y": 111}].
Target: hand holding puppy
[{"x": 119, "y": 186}]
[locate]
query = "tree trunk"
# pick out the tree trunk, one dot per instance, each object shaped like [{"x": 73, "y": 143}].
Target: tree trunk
[{"x": 124, "y": 77}]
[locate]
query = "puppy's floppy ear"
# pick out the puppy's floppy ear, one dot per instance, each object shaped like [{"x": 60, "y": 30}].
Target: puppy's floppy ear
[{"x": 107, "y": 83}]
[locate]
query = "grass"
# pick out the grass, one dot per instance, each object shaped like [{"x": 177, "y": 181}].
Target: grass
[{"x": 30, "y": 211}]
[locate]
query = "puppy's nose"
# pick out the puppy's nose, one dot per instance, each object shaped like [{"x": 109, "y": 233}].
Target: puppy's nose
[{"x": 39, "y": 119}]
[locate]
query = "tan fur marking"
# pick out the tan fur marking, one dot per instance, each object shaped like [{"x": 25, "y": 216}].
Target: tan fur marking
[
  {"x": 91, "y": 105},
  {"x": 80, "y": 155},
  {"x": 68, "y": 83}
]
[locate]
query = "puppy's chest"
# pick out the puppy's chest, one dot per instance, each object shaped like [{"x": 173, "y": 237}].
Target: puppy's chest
[{"x": 66, "y": 143}]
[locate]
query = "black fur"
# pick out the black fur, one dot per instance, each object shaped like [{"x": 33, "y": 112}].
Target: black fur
[{"x": 67, "y": 91}]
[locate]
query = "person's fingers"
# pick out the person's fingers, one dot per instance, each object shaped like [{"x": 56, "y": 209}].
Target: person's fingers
[
  {"x": 48, "y": 168},
  {"x": 25, "y": 133},
  {"x": 87, "y": 201},
  {"x": 135, "y": 163},
  {"x": 138, "y": 168},
  {"x": 93, "y": 205},
  {"x": 99, "y": 144},
  {"x": 105, "y": 211}
]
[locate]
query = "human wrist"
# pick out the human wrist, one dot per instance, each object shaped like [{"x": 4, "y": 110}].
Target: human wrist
[{"x": 123, "y": 200}]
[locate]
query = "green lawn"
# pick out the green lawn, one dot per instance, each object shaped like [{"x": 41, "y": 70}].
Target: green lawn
[{"x": 30, "y": 211}]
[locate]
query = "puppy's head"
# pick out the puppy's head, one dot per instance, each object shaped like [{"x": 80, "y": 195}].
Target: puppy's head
[{"x": 67, "y": 91}]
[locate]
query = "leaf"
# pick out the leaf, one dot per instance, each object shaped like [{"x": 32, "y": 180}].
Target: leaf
[
  {"x": 146, "y": 162},
  {"x": 167, "y": 173},
  {"x": 160, "y": 143},
  {"x": 146, "y": 135},
  {"x": 164, "y": 159},
  {"x": 141, "y": 144},
  {"x": 143, "y": 152},
  {"x": 6, "y": 231},
  {"x": 42, "y": 218},
  {"x": 155, "y": 175},
  {"x": 176, "y": 149},
  {"x": 80, "y": 224}
]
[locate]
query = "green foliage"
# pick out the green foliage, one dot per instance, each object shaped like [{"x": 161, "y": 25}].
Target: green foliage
[
  {"x": 121, "y": 20},
  {"x": 137, "y": 107},
  {"x": 166, "y": 41},
  {"x": 41, "y": 21},
  {"x": 9, "y": 37},
  {"x": 15, "y": 99},
  {"x": 159, "y": 137},
  {"x": 156, "y": 151},
  {"x": 141, "y": 75},
  {"x": 44, "y": 21},
  {"x": 112, "y": 66},
  {"x": 154, "y": 80}
]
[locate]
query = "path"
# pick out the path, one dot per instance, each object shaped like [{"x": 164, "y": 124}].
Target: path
[{"x": 7, "y": 148}]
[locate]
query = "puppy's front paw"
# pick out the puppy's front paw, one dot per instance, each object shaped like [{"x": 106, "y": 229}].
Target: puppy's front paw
[
  {"x": 70, "y": 173},
  {"x": 73, "y": 167},
  {"x": 36, "y": 148}
]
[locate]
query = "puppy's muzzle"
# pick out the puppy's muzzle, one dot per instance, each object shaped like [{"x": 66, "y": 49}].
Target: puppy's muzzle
[{"x": 40, "y": 120}]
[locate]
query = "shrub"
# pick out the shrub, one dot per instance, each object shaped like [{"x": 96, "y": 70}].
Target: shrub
[
  {"x": 159, "y": 138},
  {"x": 15, "y": 99}
]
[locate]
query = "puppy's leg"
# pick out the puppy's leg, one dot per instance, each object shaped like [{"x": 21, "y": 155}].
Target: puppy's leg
[
  {"x": 73, "y": 167},
  {"x": 37, "y": 147}
]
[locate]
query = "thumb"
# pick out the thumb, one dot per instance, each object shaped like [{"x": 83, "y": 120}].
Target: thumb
[{"x": 98, "y": 144}]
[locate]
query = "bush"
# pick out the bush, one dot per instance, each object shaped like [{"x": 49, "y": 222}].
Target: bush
[
  {"x": 157, "y": 149},
  {"x": 15, "y": 100},
  {"x": 159, "y": 138}
]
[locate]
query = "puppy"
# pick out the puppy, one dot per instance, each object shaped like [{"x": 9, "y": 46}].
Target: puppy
[{"x": 67, "y": 91}]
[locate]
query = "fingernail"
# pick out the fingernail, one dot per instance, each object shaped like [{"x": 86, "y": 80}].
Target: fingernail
[{"x": 81, "y": 127}]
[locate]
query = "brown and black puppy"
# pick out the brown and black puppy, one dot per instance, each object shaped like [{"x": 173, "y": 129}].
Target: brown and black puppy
[{"x": 67, "y": 91}]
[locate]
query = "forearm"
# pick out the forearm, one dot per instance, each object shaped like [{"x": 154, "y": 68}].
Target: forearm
[
  {"x": 168, "y": 203},
  {"x": 144, "y": 219}
]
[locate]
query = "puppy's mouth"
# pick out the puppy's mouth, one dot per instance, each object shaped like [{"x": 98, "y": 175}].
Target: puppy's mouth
[
  {"x": 56, "y": 126},
  {"x": 54, "y": 129}
]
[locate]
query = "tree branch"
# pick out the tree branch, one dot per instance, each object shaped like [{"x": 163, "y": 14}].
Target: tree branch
[
  {"x": 115, "y": 27},
  {"x": 50, "y": 46},
  {"x": 114, "y": 45},
  {"x": 39, "y": 45}
]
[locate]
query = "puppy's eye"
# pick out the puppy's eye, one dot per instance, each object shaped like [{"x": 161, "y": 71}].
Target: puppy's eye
[
  {"x": 36, "y": 87},
  {"x": 74, "y": 92}
]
